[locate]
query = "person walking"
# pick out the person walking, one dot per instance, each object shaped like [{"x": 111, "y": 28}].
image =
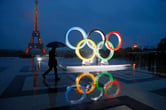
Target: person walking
[{"x": 52, "y": 63}]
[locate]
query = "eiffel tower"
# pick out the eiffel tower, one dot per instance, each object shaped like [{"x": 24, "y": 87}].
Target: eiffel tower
[{"x": 35, "y": 34}]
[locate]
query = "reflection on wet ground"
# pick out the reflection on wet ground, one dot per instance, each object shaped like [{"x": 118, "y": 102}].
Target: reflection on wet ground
[
  {"x": 153, "y": 62},
  {"x": 22, "y": 87}
]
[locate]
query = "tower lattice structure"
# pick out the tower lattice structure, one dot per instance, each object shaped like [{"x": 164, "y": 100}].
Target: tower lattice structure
[{"x": 35, "y": 34}]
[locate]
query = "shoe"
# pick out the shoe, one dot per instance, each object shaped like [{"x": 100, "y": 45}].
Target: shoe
[{"x": 44, "y": 76}]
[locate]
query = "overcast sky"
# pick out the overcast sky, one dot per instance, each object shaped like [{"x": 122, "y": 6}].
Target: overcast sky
[{"x": 139, "y": 21}]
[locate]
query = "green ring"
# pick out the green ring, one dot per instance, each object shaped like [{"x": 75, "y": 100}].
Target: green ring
[
  {"x": 111, "y": 51},
  {"x": 98, "y": 77}
]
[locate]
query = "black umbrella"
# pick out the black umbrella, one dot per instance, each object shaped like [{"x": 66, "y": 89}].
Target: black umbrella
[{"x": 55, "y": 44}]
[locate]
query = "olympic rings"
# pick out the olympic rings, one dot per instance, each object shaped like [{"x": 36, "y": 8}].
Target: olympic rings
[
  {"x": 74, "y": 101},
  {"x": 119, "y": 38},
  {"x": 98, "y": 31},
  {"x": 78, "y": 29},
  {"x": 98, "y": 77},
  {"x": 117, "y": 92},
  {"x": 110, "y": 54},
  {"x": 80, "y": 77},
  {"x": 78, "y": 50},
  {"x": 91, "y": 44},
  {"x": 96, "y": 52},
  {"x": 91, "y": 87},
  {"x": 97, "y": 97}
]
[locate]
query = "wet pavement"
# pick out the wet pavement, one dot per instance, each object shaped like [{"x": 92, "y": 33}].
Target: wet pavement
[{"x": 22, "y": 87}]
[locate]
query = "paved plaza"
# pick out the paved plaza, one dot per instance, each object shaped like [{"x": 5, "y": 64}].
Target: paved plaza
[{"x": 23, "y": 88}]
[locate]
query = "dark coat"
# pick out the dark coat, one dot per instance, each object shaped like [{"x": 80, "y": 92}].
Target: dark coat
[{"x": 52, "y": 58}]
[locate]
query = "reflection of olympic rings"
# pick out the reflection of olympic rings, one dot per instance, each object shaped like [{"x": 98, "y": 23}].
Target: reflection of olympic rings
[
  {"x": 74, "y": 101},
  {"x": 91, "y": 44},
  {"x": 91, "y": 87},
  {"x": 99, "y": 76},
  {"x": 80, "y": 77},
  {"x": 117, "y": 92},
  {"x": 97, "y": 97}
]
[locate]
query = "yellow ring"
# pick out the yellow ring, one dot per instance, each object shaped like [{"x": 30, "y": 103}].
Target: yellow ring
[
  {"x": 78, "y": 81},
  {"x": 77, "y": 51}
]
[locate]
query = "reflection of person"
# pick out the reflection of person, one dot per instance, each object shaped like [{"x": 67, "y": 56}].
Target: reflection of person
[
  {"x": 52, "y": 63},
  {"x": 51, "y": 93}
]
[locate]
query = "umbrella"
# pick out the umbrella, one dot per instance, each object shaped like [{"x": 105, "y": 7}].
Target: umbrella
[{"x": 55, "y": 44}]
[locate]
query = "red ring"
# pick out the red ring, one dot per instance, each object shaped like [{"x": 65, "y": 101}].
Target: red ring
[
  {"x": 120, "y": 42},
  {"x": 118, "y": 91}
]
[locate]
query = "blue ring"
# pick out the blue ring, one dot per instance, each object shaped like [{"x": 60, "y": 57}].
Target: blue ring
[
  {"x": 81, "y": 31},
  {"x": 69, "y": 88}
]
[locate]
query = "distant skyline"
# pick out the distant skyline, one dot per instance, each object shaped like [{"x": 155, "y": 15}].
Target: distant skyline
[{"x": 139, "y": 21}]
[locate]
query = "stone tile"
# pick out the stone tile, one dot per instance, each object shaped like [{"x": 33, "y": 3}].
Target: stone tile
[
  {"x": 25, "y": 89},
  {"x": 121, "y": 102},
  {"x": 161, "y": 92},
  {"x": 2, "y": 68}
]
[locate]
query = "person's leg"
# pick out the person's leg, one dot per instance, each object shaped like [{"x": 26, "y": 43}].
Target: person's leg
[
  {"x": 44, "y": 74},
  {"x": 56, "y": 73}
]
